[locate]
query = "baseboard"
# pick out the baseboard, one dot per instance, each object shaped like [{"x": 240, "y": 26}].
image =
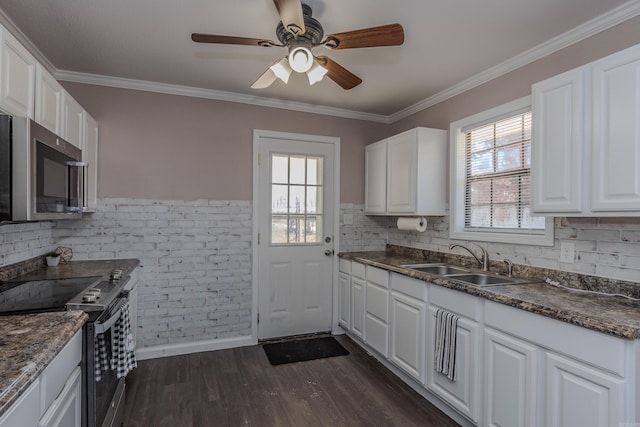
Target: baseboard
[{"x": 156, "y": 352}]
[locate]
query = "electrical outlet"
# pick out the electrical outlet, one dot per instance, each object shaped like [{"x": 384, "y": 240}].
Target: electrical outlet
[
  {"x": 347, "y": 219},
  {"x": 567, "y": 252}
]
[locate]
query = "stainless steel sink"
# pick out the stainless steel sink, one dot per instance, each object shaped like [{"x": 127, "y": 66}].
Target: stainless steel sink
[
  {"x": 479, "y": 279},
  {"x": 440, "y": 270}
]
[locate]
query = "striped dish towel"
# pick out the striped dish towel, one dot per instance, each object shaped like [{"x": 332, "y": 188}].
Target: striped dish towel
[
  {"x": 123, "y": 358},
  {"x": 100, "y": 356},
  {"x": 445, "y": 345}
]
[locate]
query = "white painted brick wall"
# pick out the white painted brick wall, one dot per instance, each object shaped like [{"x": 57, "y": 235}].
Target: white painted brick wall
[
  {"x": 367, "y": 233},
  {"x": 195, "y": 283},
  {"x": 606, "y": 247},
  {"x": 19, "y": 242}
]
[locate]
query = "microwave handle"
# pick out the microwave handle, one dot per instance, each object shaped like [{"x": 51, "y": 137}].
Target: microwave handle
[{"x": 81, "y": 189}]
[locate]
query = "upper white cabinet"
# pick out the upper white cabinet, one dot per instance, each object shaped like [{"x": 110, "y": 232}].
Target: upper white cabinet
[
  {"x": 376, "y": 178},
  {"x": 585, "y": 158},
  {"x": 17, "y": 77},
  {"x": 73, "y": 120},
  {"x": 48, "y": 101},
  {"x": 616, "y": 133},
  {"x": 559, "y": 133},
  {"x": 406, "y": 174}
]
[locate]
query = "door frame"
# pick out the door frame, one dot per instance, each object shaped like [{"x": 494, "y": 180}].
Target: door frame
[{"x": 258, "y": 134}]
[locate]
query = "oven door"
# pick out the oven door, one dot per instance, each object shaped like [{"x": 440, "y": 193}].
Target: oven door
[{"x": 105, "y": 397}]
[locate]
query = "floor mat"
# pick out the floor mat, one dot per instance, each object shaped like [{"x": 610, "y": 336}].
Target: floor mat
[{"x": 303, "y": 350}]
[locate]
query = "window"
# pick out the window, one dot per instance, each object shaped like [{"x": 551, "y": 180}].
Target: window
[
  {"x": 491, "y": 184},
  {"x": 296, "y": 199}
]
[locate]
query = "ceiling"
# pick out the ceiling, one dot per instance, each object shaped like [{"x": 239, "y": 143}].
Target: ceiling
[{"x": 446, "y": 42}]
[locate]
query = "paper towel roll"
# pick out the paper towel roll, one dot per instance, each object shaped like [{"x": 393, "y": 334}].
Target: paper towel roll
[{"x": 412, "y": 224}]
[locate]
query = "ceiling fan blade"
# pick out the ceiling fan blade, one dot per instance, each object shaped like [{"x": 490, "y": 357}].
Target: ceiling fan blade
[
  {"x": 291, "y": 15},
  {"x": 212, "y": 38},
  {"x": 338, "y": 73},
  {"x": 385, "y": 35},
  {"x": 265, "y": 80}
]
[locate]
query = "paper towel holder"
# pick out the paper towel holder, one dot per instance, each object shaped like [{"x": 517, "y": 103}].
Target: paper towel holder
[{"x": 414, "y": 223}]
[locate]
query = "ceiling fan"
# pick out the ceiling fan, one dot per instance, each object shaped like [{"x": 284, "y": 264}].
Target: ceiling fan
[{"x": 300, "y": 32}]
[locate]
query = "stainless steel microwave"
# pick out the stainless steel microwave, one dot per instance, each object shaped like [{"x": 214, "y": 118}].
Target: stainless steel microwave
[{"x": 42, "y": 176}]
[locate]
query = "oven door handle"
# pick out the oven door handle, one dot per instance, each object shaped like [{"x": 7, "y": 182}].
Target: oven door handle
[{"x": 102, "y": 327}]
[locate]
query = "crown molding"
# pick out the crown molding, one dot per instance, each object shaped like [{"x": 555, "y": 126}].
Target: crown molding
[
  {"x": 147, "y": 86},
  {"x": 603, "y": 22},
  {"x": 24, "y": 40}
]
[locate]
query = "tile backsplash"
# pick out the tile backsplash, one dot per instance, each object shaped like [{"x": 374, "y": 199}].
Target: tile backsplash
[{"x": 19, "y": 242}]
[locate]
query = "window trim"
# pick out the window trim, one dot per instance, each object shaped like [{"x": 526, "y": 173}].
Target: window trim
[{"x": 457, "y": 179}]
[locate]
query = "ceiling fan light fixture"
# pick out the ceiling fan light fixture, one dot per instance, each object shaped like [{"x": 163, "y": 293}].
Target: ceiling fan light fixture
[
  {"x": 316, "y": 73},
  {"x": 282, "y": 70},
  {"x": 300, "y": 59}
]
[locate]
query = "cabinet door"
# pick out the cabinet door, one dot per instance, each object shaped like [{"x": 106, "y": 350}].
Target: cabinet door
[
  {"x": 376, "y": 178},
  {"x": 344, "y": 300},
  {"x": 407, "y": 334},
  {"x": 357, "y": 306},
  {"x": 511, "y": 381},
  {"x": 377, "y": 317},
  {"x": 90, "y": 156},
  {"x": 462, "y": 393},
  {"x": 48, "y": 101},
  {"x": 26, "y": 410},
  {"x": 17, "y": 76},
  {"x": 558, "y": 138},
  {"x": 616, "y": 132},
  {"x": 73, "y": 120},
  {"x": 402, "y": 152},
  {"x": 65, "y": 411},
  {"x": 579, "y": 395}
]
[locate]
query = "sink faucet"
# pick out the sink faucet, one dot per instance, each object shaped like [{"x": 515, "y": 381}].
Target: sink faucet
[{"x": 485, "y": 256}]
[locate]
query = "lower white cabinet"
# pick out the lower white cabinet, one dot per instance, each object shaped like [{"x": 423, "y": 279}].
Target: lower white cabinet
[
  {"x": 344, "y": 296},
  {"x": 55, "y": 397},
  {"x": 357, "y": 306},
  {"x": 344, "y": 300},
  {"x": 510, "y": 397},
  {"x": 66, "y": 409},
  {"x": 24, "y": 412},
  {"x": 514, "y": 368},
  {"x": 376, "y": 321},
  {"x": 581, "y": 395},
  {"x": 407, "y": 333}
]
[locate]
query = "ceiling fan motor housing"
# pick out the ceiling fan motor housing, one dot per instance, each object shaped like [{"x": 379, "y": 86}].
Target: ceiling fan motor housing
[{"x": 311, "y": 37}]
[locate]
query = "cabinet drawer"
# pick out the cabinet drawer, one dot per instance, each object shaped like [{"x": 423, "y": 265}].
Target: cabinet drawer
[
  {"x": 601, "y": 350},
  {"x": 408, "y": 286},
  {"x": 377, "y": 301},
  {"x": 55, "y": 375},
  {"x": 456, "y": 302},
  {"x": 378, "y": 276},
  {"x": 345, "y": 266},
  {"x": 358, "y": 270}
]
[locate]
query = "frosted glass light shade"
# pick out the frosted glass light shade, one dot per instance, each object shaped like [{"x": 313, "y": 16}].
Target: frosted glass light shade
[
  {"x": 316, "y": 73},
  {"x": 300, "y": 59},
  {"x": 282, "y": 70}
]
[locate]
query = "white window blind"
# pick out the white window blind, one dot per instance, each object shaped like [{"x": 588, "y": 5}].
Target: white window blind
[{"x": 497, "y": 177}]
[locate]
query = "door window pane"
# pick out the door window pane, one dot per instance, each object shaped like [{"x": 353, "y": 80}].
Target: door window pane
[{"x": 296, "y": 199}]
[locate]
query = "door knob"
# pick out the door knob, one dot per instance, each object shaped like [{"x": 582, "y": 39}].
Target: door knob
[{"x": 328, "y": 252}]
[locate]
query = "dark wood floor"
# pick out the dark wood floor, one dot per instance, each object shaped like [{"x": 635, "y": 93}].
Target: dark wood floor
[{"x": 239, "y": 387}]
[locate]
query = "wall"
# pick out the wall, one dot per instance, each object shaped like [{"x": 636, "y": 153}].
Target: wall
[
  {"x": 604, "y": 247},
  {"x": 169, "y": 147},
  {"x": 175, "y": 175}
]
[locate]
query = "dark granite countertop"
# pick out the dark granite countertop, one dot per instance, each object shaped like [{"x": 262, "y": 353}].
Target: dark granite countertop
[
  {"x": 28, "y": 343},
  {"x": 611, "y": 315}
]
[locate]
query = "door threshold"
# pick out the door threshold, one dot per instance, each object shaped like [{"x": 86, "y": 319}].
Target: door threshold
[{"x": 295, "y": 337}]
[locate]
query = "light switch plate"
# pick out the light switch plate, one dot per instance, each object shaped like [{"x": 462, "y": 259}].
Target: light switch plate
[
  {"x": 567, "y": 252},
  {"x": 347, "y": 219}
]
